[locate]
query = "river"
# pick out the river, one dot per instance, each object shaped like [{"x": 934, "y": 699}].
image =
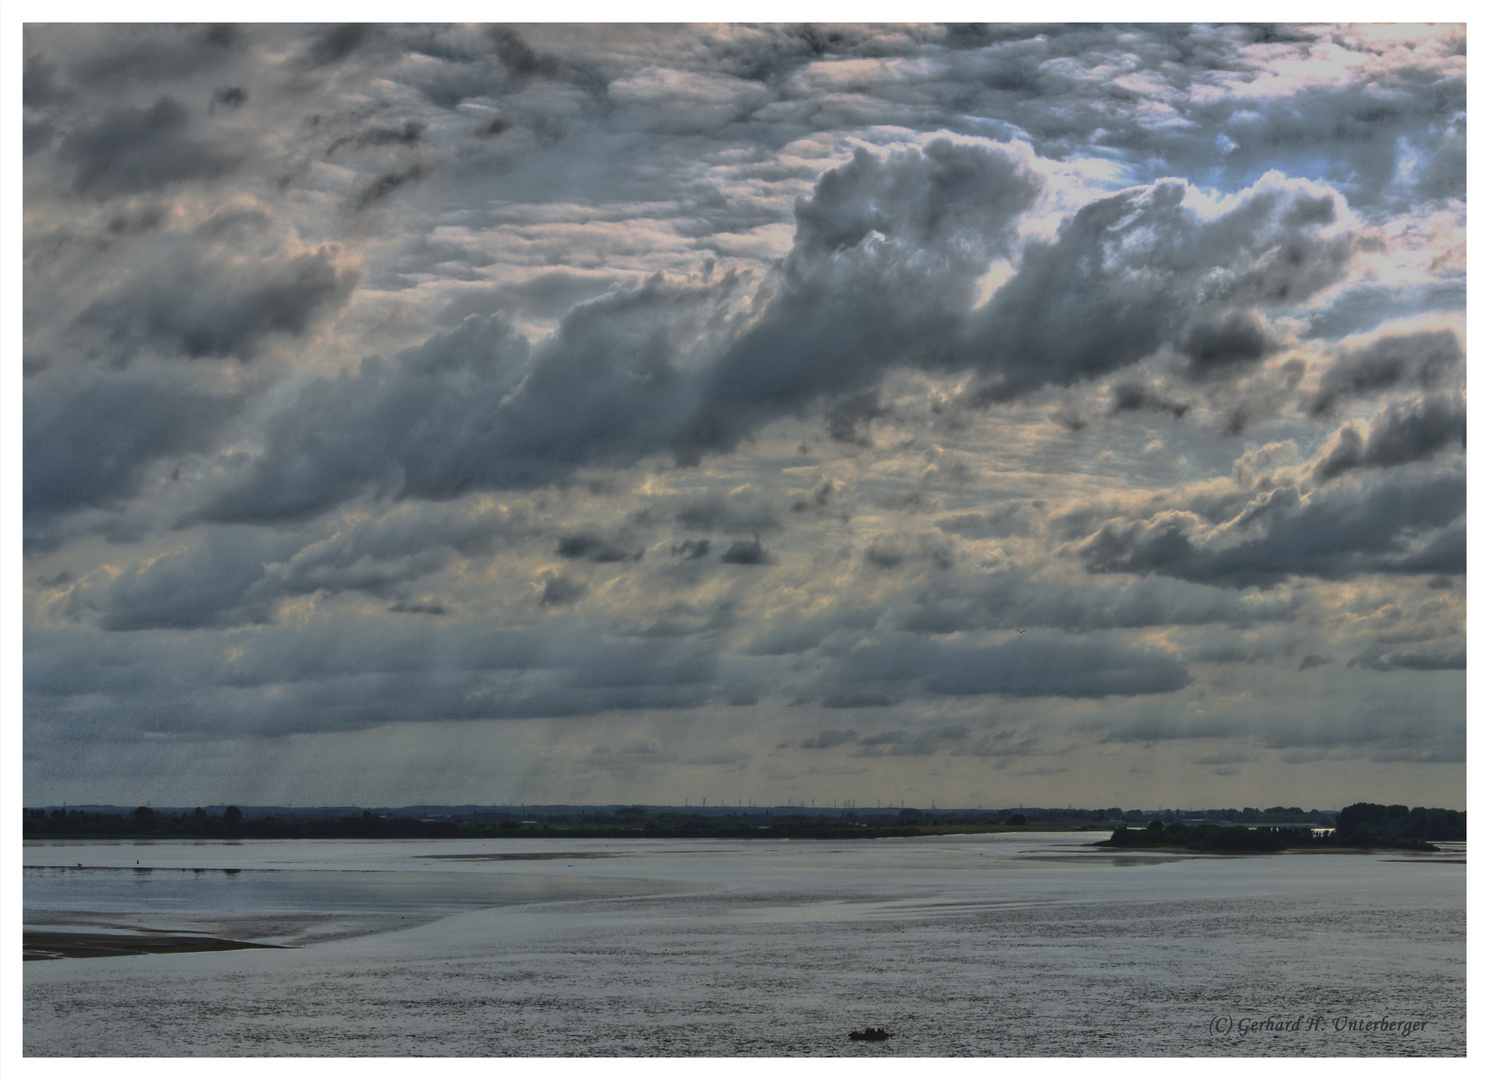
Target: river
[{"x": 1013, "y": 944}]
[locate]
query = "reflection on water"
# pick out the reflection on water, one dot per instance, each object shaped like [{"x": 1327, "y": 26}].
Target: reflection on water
[{"x": 981, "y": 945}]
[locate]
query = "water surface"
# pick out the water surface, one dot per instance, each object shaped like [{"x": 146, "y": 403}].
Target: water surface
[{"x": 999, "y": 944}]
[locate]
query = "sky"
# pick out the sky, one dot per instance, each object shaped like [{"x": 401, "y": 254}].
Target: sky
[{"x": 988, "y": 416}]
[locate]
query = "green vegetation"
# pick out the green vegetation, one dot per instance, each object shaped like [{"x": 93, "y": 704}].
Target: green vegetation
[
  {"x": 635, "y": 821},
  {"x": 1361, "y": 825},
  {"x": 1367, "y": 824}
]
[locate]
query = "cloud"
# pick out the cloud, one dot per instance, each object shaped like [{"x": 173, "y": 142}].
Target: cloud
[
  {"x": 692, "y": 549},
  {"x": 385, "y": 185},
  {"x": 39, "y": 84},
  {"x": 1425, "y": 360},
  {"x": 134, "y": 55},
  {"x": 230, "y": 97},
  {"x": 354, "y": 676},
  {"x": 335, "y": 43},
  {"x": 1136, "y": 397},
  {"x": 881, "y": 273},
  {"x": 559, "y": 590},
  {"x": 1398, "y": 526},
  {"x": 747, "y": 553},
  {"x": 1401, "y": 433},
  {"x": 518, "y": 58},
  {"x": 1017, "y": 669},
  {"x": 477, "y": 409},
  {"x": 826, "y": 740},
  {"x": 1440, "y": 656},
  {"x": 1143, "y": 269},
  {"x": 246, "y": 574},
  {"x": 735, "y": 512},
  {"x": 200, "y": 306},
  {"x": 884, "y": 263},
  {"x": 677, "y": 390},
  {"x": 137, "y": 150},
  {"x": 585, "y": 545},
  {"x": 211, "y": 585},
  {"x": 1013, "y": 600},
  {"x": 88, "y": 443},
  {"x": 414, "y": 427}
]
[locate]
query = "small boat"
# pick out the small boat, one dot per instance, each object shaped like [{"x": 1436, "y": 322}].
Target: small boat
[{"x": 872, "y": 1034}]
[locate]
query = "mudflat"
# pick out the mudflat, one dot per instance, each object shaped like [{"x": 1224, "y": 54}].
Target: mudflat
[{"x": 68, "y": 944}]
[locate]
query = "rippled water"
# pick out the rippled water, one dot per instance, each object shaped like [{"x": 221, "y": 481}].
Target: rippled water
[{"x": 997, "y": 945}]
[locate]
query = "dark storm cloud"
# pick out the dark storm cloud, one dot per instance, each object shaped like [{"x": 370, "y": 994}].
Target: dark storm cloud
[
  {"x": 1010, "y": 600},
  {"x": 923, "y": 743},
  {"x": 229, "y": 97},
  {"x": 789, "y": 636},
  {"x": 385, "y": 185},
  {"x": 157, "y": 53},
  {"x": 595, "y": 548},
  {"x": 409, "y": 134},
  {"x": 558, "y": 590},
  {"x": 417, "y": 607},
  {"x": 36, "y": 137},
  {"x": 1139, "y": 270},
  {"x": 883, "y": 555},
  {"x": 518, "y": 58},
  {"x": 416, "y": 425},
  {"x": 237, "y": 576},
  {"x": 87, "y": 443},
  {"x": 1439, "y": 656},
  {"x": 335, "y": 43},
  {"x": 134, "y": 150},
  {"x": 1424, "y": 360},
  {"x": 473, "y": 410},
  {"x": 1403, "y": 432},
  {"x": 856, "y": 698},
  {"x": 1378, "y": 734},
  {"x": 214, "y": 585},
  {"x": 820, "y": 497},
  {"x": 1398, "y": 526},
  {"x": 1224, "y": 342},
  {"x": 382, "y": 555},
  {"x": 883, "y": 266},
  {"x": 351, "y": 677},
  {"x": 1364, "y": 307},
  {"x": 622, "y": 196},
  {"x": 1136, "y": 397},
  {"x": 881, "y": 273},
  {"x": 747, "y": 553},
  {"x": 826, "y": 740},
  {"x": 1019, "y": 668},
  {"x": 738, "y": 512},
  {"x": 39, "y": 85},
  {"x": 203, "y": 307}
]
